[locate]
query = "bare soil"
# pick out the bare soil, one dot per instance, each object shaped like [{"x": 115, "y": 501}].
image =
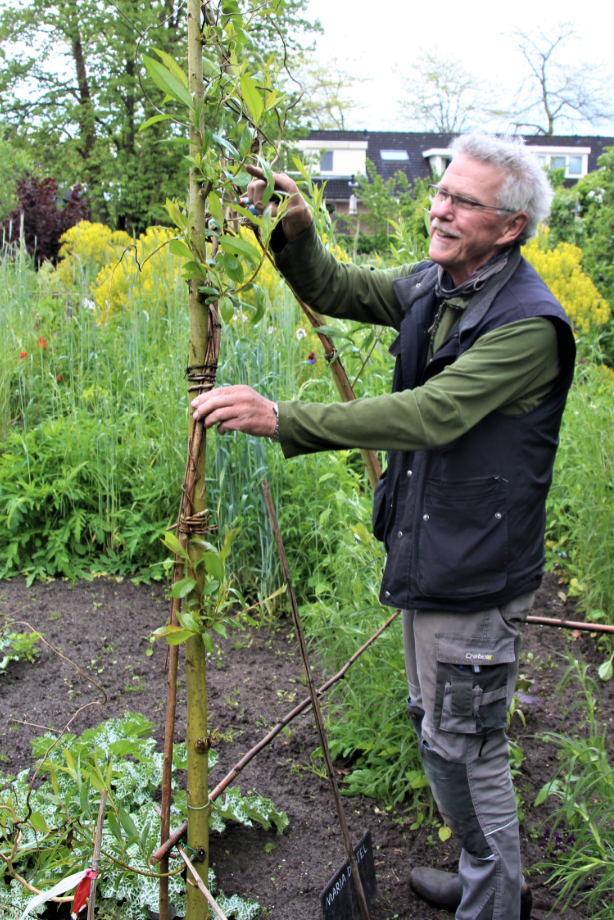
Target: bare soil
[{"x": 104, "y": 626}]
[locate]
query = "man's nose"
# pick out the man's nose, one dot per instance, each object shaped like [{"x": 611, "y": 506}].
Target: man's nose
[{"x": 442, "y": 209}]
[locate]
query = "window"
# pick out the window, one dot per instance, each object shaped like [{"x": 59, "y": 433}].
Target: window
[
  {"x": 574, "y": 162},
  {"x": 326, "y": 162},
  {"x": 394, "y": 155}
]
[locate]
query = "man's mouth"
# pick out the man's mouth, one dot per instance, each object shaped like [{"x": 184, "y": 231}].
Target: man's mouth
[{"x": 445, "y": 233}]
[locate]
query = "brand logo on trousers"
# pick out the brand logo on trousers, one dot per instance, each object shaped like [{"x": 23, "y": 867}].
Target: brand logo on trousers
[{"x": 478, "y": 655}]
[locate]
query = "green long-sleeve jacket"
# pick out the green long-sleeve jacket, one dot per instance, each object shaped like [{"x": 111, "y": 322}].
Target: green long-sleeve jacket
[{"x": 510, "y": 369}]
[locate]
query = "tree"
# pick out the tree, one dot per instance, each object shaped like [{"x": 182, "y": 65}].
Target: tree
[
  {"x": 15, "y": 164},
  {"x": 71, "y": 84},
  {"x": 324, "y": 104},
  {"x": 441, "y": 96},
  {"x": 43, "y": 215},
  {"x": 556, "y": 90}
]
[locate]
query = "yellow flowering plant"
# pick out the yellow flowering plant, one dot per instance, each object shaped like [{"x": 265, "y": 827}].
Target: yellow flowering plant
[{"x": 561, "y": 269}]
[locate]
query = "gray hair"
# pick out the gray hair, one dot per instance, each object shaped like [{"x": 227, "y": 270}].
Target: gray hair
[{"x": 526, "y": 187}]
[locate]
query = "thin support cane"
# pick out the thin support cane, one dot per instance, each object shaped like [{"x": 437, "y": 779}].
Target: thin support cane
[
  {"x": 96, "y": 856},
  {"x": 314, "y": 698}
]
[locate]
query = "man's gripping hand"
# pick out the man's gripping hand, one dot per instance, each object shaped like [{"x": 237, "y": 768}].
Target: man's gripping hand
[
  {"x": 297, "y": 218},
  {"x": 236, "y": 409}
]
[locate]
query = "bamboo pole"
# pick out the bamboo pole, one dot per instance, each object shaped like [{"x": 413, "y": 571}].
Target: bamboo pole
[
  {"x": 176, "y": 836},
  {"x": 362, "y": 901}
]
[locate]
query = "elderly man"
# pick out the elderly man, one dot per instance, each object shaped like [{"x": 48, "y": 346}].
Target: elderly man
[{"x": 484, "y": 361}]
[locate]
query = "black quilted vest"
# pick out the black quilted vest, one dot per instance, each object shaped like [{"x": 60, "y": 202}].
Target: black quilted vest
[{"x": 464, "y": 524}]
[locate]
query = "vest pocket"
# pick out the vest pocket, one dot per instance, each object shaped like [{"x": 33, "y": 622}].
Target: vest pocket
[{"x": 462, "y": 543}]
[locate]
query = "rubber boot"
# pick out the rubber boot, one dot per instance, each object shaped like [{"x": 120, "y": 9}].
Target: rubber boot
[{"x": 444, "y": 890}]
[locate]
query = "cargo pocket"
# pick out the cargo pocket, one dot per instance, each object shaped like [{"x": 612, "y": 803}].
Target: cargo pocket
[
  {"x": 470, "y": 702},
  {"x": 462, "y": 544}
]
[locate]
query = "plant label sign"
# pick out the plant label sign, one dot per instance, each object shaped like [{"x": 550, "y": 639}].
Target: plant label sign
[{"x": 339, "y": 900}]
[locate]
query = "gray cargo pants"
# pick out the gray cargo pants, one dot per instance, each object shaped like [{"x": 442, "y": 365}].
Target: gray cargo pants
[{"x": 461, "y": 671}]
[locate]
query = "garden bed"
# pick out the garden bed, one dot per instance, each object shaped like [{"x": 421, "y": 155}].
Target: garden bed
[{"x": 104, "y": 626}]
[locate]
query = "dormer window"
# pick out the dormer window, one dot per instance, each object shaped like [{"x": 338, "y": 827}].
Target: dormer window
[{"x": 394, "y": 155}]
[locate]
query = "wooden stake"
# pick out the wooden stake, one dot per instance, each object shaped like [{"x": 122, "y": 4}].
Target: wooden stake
[
  {"x": 91, "y": 901},
  {"x": 362, "y": 901}
]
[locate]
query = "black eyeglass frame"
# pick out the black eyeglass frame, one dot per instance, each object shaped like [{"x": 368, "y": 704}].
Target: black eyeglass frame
[{"x": 474, "y": 204}]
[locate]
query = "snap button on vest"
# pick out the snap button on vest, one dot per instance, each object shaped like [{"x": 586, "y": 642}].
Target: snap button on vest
[
  {"x": 400, "y": 534},
  {"x": 387, "y": 594},
  {"x": 425, "y": 517},
  {"x": 497, "y": 515},
  {"x": 408, "y": 474}
]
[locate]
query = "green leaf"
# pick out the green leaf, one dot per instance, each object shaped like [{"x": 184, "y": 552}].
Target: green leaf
[
  {"x": 226, "y": 309},
  {"x": 214, "y": 565},
  {"x": 333, "y": 330},
  {"x": 128, "y": 824},
  {"x": 113, "y": 825},
  {"x": 444, "y": 833},
  {"x": 173, "y": 66},
  {"x": 361, "y": 532},
  {"x": 245, "y": 142},
  {"x": 154, "y": 121},
  {"x": 170, "y": 540},
  {"x": 220, "y": 630},
  {"x": 251, "y": 97},
  {"x": 606, "y": 670},
  {"x": 240, "y": 247},
  {"x": 208, "y": 642},
  {"x": 260, "y": 309},
  {"x": 175, "y": 214},
  {"x": 174, "y": 635},
  {"x": 167, "y": 81},
  {"x": 543, "y": 793},
  {"x": 301, "y": 168},
  {"x": 216, "y": 209},
  {"x": 38, "y": 822},
  {"x": 179, "y": 248},
  {"x": 182, "y": 587},
  {"x": 228, "y": 147}
]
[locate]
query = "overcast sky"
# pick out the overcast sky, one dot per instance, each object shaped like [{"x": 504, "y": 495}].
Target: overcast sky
[{"x": 372, "y": 40}]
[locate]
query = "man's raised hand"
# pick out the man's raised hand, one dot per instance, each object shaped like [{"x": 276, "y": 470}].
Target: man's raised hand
[
  {"x": 297, "y": 218},
  {"x": 236, "y": 409}
]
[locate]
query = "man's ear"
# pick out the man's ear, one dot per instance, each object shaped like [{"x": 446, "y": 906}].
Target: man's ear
[{"x": 513, "y": 228}]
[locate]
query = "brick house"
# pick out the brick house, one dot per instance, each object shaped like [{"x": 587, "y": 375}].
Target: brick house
[{"x": 342, "y": 155}]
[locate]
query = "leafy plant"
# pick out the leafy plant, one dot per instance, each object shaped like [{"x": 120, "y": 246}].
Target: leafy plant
[
  {"x": 55, "y": 820},
  {"x": 17, "y": 647}
]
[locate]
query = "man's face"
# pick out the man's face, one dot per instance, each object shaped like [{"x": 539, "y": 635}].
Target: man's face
[{"x": 461, "y": 239}]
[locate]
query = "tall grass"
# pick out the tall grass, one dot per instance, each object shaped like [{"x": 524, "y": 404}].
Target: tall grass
[
  {"x": 93, "y": 427},
  {"x": 580, "y": 832},
  {"x": 580, "y": 530}
]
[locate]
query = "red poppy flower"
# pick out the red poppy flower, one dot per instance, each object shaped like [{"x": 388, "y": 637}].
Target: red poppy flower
[
  {"x": 23, "y": 354},
  {"x": 312, "y": 358},
  {"x": 59, "y": 378},
  {"x": 42, "y": 343}
]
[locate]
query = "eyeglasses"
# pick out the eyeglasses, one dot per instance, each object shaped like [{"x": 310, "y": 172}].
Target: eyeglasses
[{"x": 439, "y": 195}]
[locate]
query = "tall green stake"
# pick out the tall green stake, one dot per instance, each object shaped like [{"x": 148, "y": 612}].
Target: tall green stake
[{"x": 197, "y": 744}]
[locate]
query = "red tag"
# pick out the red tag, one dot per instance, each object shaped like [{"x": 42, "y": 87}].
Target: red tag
[{"x": 82, "y": 893}]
